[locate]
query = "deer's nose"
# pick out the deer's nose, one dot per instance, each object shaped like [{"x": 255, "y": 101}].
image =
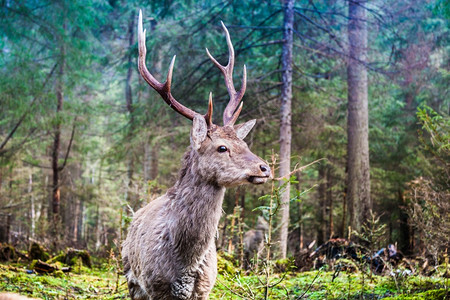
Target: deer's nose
[{"x": 265, "y": 169}]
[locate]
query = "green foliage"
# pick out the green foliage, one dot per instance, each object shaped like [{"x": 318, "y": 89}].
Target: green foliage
[
  {"x": 101, "y": 284},
  {"x": 86, "y": 285},
  {"x": 284, "y": 265},
  {"x": 225, "y": 265},
  {"x": 320, "y": 285},
  {"x": 108, "y": 168},
  {"x": 438, "y": 129},
  {"x": 38, "y": 252},
  {"x": 372, "y": 232}
]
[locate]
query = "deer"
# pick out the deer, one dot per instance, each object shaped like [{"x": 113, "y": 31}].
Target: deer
[{"x": 169, "y": 251}]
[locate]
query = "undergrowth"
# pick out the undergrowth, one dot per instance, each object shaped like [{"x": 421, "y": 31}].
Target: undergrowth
[
  {"x": 320, "y": 285},
  {"x": 101, "y": 284},
  {"x": 85, "y": 284}
]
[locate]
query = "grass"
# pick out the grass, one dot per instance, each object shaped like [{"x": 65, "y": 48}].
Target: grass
[
  {"x": 83, "y": 283},
  {"x": 320, "y": 285}
]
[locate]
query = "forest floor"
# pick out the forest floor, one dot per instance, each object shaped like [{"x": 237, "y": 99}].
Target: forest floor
[{"x": 104, "y": 283}]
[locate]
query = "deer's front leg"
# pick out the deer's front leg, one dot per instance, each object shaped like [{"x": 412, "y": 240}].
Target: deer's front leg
[{"x": 183, "y": 287}]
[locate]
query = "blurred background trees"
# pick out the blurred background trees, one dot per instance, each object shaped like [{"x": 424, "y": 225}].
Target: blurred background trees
[{"x": 84, "y": 142}]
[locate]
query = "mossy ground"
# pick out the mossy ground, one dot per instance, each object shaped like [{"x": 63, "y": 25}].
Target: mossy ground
[
  {"x": 84, "y": 283},
  {"x": 320, "y": 285},
  {"x": 79, "y": 284}
]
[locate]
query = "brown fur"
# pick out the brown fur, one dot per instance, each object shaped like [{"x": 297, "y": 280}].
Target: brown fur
[{"x": 169, "y": 252}]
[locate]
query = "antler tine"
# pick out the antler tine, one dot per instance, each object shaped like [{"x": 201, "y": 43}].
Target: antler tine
[
  {"x": 236, "y": 114},
  {"x": 162, "y": 88},
  {"x": 209, "y": 113},
  {"x": 230, "y": 113}
]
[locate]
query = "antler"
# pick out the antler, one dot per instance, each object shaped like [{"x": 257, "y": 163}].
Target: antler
[
  {"x": 164, "y": 88},
  {"x": 231, "y": 114}
]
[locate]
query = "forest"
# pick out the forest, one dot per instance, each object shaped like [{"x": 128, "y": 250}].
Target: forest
[{"x": 351, "y": 103}]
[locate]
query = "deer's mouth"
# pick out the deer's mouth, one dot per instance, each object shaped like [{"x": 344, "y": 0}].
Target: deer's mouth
[{"x": 257, "y": 179}]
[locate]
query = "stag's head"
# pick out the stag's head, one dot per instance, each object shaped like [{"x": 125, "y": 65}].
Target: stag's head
[{"x": 223, "y": 156}]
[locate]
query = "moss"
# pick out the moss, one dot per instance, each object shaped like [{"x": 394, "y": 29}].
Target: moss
[
  {"x": 101, "y": 284},
  {"x": 7, "y": 253},
  {"x": 38, "y": 252},
  {"x": 72, "y": 256},
  {"x": 439, "y": 294},
  {"x": 58, "y": 273},
  {"x": 74, "y": 261},
  {"x": 32, "y": 264},
  {"x": 226, "y": 256},
  {"x": 284, "y": 265},
  {"x": 58, "y": 265},
  {"x": 346, "y": 264},
  {"x": 224, "y": 266},
  {"x": 58, "y": 258}
]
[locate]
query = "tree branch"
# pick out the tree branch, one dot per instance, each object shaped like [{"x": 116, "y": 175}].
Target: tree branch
[
  {"x": 70, "y": 146},
  {"x": 3, "y": 144}
]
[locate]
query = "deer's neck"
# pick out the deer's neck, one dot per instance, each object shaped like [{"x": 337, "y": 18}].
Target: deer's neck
[{"x": 195, "y": 208}]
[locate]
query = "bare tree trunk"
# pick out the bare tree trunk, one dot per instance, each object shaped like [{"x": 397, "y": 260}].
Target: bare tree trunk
[
  {"x": 56, "y": 193},
  {"x": 45, "y": 203},
  {"x": 242, "y": 204},
  {"x": 147, "y": 158},
  {"x": 75, "y": 216},
  {"x": 405, "y": 238},
  {"x": 128, "y": 91},
  {"x": 344, "y": 212},
  {"x": 154, "y": 162},
  {"x": 329, "y": 196},
  {"x": 32, "y": 206},
  {"x": 97, "y": 229},
  {"x": 129, "y": 102},
  {"x": 80, "y": 222},
  {"x": 358, "y": 180},
  {"x": 285, "y": 128},
  {"x": 322, "y": 211},
  {"x": 300, "y": 214},
  {"x": 233, "y": 221},
  {"x": 8, "y": 228}
]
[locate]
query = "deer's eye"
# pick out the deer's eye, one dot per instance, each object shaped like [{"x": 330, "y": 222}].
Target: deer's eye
[{"x": 222, "y": 149}]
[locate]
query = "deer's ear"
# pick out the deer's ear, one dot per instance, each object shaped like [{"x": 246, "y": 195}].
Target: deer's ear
[
  {"x": 243, "y": 129},
  {"x": 199, "y": 131}
]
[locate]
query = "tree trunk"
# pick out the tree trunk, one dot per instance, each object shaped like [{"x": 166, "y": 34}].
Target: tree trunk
[
  {"x": 300, "y": 213},
  {"x": 97, "y": 229},
  {"x": 154, "y": 162},
  {"x": 243, "y": 205},
  {"x": 322, "y": 228},
  {"x": 329, "y": 196},
  {"x": 128, "y": 91},
  {"x": 129, "y": 103},
  {"x": 56, "y": 193},
  {"x": 75, "y": 216},
  {"x": 146, "y": 160},
  {"x": 233, "y": 221},
  {"x": 344, "y": 211},
  {"x": 32, "y": 206},
  {"x": 358, "y": 180},
  {"x": 405, "y": 238},
  {"x": 80, "y": 222},
  {"x": 285, "y": 128}
]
